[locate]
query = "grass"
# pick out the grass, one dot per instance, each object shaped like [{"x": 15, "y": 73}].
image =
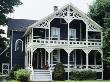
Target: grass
[
  {"x": 69, "y": 81},
  {"x": 1, "y": 80},
  {"x": 86, "y": 81},
  {"x": 15, "y": 81}
]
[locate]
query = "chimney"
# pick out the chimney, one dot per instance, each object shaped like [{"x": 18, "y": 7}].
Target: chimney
[{"x": 55, "y": 8}]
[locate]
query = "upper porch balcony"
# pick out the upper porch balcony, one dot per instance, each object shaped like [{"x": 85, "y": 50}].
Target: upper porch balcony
[{"x": 61, "y": 34}]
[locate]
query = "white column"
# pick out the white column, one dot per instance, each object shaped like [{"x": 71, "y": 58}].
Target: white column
[
  {"x": 29, "y": 58},
  {"x": 68, "y": 65},
  {"x": 49, "y": 59},
  {"x": 68, "y": 52},
  {"x": 87, "y": 60}
]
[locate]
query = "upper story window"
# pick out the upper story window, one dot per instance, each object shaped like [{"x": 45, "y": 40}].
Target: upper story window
[
  {"x": 55, "y": 33},
  {"x": 72, "y": 34},
  {"x": 19, "y": 45}
]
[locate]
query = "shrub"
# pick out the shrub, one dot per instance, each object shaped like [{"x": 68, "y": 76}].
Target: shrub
[
  {"x": 15, "y": 68},
  {"x": 22, "y": 75},
  {"x": 83, "y": 75},
  {"x": 59, "y": 72}
]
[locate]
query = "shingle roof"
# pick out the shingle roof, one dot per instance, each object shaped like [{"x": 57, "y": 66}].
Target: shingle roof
[{"x": 19, "y": 24}]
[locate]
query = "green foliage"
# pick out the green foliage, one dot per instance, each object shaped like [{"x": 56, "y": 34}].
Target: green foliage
[
  {"x": 83, "y": 75},
  {"x": 59, "y": 72},
  {"x": 6, "y": 7},
  {"x": 15, "y": 68},
  {"x": 100, "y": 13},
  {"x": 22, "y": 75}
]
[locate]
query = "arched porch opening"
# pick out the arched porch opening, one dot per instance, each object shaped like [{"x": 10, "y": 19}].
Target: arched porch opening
[
  {"x": 40, "y": 58},
  {"x": 77, "y": 30},
  {"x": 78, "y": 59},
  {"x": 59, "y": 56},
  {"x": 95, "y": 58}
]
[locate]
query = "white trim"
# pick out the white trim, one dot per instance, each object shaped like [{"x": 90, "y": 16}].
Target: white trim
[
  {"x": 11, "y": 48},
  {"x": 16, "y": 43}
]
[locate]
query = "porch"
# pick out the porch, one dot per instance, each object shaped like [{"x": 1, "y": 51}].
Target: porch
[{"x": 43, "y": 62}]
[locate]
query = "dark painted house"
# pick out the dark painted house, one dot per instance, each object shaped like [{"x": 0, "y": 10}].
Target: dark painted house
[{"x": 16, "y": 29}]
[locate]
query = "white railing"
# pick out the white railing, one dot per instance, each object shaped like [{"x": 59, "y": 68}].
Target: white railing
[
  {"x": 95, "y": 66},
  {"x": 71, "y": 66},
  {"x": 65, "y": 42}
]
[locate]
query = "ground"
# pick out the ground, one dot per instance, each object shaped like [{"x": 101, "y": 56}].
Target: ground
[
  {"x": 70, "y": 81},
  {"x": 86, "y": 81}
]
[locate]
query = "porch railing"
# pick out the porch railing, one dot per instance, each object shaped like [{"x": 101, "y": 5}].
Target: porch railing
[
  {"x": 65, "y": 42},
  {"x": 78, "y": 67}
]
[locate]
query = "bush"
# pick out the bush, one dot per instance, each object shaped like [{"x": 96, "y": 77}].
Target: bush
[
  {"x": 22, "y": 75},
  {"x": 83, "y": 75},
  {"x": 15, "y": 68},
  {"x": 59, "y": 72}
]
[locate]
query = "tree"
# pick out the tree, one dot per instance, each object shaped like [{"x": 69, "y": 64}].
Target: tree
[
  {"x": 100, "y": 12},
  {"x": 6, "y": 7}
]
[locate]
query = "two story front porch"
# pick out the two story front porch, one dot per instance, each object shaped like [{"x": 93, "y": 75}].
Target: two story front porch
[{"x": 75, "y": 44}]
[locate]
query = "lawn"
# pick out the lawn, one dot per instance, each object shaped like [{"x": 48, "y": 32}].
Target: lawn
[
  {"x": 69, "y": 81},
  {"x": 86, "y": 81},
  {"x": 1, "y": 79},
  {"x": 15, "y": 81}
]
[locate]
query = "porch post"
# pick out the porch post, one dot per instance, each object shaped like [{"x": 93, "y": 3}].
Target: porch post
[
  {"x": 29, "y": 58},
  {"x": 87, "y": 60},
  {"x": 49, "y": 59},
  {"x": 68, "y": 65}
]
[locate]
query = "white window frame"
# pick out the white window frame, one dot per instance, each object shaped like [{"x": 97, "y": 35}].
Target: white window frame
[
  {"x": 72, "y": 32},
  {"x": 55, "y": 31},
  {"x": 16, "y": 43},
  {"x": 57, "y": 56}
]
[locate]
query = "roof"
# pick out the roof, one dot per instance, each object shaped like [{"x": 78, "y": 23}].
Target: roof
[
  {"x": 52, "y": 14},
  {"x": 19, "y": 24}
]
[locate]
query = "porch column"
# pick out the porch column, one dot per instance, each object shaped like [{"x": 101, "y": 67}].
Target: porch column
[
  {"x": 31, "y": 58},
  {"x": 49, "y": 59},
  {"x": 87, "y": 60},
  {"x": 68, "y": 65}
]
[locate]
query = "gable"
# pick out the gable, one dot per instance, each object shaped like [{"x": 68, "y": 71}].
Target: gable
[{"x": 69, "y": 13}]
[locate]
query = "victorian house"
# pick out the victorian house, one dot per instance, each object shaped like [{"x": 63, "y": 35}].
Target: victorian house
[{"x": 67, "y": 35}]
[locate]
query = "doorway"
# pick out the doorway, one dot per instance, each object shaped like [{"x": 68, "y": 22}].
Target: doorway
[{"x": 40, "y": 57}]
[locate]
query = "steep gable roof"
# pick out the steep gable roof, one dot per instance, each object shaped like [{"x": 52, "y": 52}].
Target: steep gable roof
[
  {"x": 61, "y": 12},
  {"x": 19, "y": 24}
]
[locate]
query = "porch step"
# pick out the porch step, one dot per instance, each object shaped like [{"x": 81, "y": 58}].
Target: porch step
[{"x": 42, "y": 75}]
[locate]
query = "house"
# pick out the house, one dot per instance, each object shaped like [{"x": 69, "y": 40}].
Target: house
[{"x": 67, "y": 35}]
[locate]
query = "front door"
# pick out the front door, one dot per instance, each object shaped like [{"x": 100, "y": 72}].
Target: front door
[{"x": 39, "y": 60}]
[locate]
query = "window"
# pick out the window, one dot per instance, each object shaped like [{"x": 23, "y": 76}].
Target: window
[
  {"x": 56, "y": 56},
  {"x": 55, "y": 33},
  {"x": 19, "y": 45},
  {"x": 72, "y": 34}
]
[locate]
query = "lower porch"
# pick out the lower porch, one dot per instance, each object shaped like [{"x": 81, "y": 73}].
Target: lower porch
[{"x": 42, "y": 61}]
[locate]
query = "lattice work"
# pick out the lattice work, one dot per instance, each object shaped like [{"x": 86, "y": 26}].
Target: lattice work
[
  {"x": 43, "y": 23},
  {"x": 92, "y": 27},
  {"x": 74, "y": 14},
  {"x": 63, "y": 13}
]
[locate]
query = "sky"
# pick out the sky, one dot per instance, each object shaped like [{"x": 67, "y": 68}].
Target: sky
[{"x": 38, "y": 9}]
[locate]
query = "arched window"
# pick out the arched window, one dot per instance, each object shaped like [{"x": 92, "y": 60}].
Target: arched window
[{"x": 19, "y": 45}]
